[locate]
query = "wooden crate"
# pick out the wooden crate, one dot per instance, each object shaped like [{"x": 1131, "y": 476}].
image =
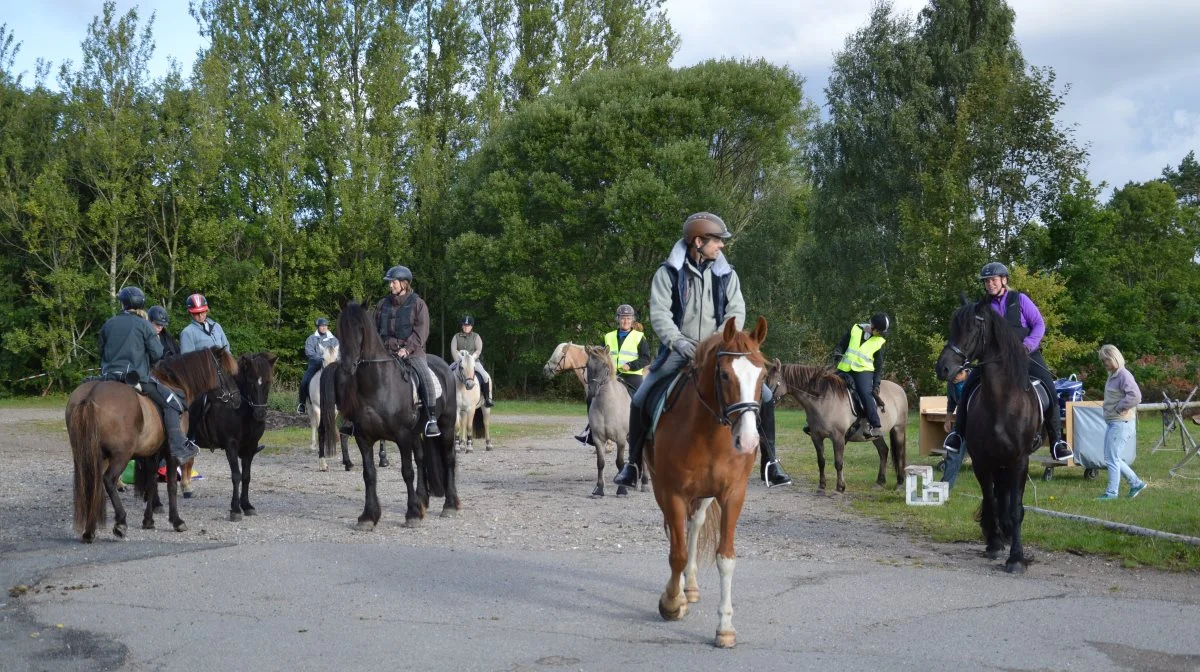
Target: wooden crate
[{"x": 929, "y": 431}]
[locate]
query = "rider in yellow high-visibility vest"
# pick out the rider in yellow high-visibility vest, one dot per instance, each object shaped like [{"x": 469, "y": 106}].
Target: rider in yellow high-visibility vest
[
  {"x": 860, "y": 359},
  {"x": 630, "y": 352}
]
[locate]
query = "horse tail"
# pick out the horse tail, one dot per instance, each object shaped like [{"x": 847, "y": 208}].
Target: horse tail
[
  {"x": 88, "y": 454},
  {"x": 328, "y": 424},
  {"x": 710, "y": 536},
  {"x": 436, "y": 465},
  {"x": 478, "y": 424}
]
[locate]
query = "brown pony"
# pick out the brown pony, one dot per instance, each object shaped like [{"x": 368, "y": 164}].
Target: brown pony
[
  {"x": 825, "y": 398},
  {"x": 568, "y": 357},
  {"x": 108, "y": 423},
  {"x": 701, "y": 456}
]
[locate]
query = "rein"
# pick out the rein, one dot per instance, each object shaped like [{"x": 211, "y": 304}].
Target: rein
[
  {"x": 224, "y": 394},
  {"x": 725, "y": 417}
]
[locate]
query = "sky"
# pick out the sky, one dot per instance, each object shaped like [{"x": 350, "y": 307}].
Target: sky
[{"x": 1133, "y": 66}]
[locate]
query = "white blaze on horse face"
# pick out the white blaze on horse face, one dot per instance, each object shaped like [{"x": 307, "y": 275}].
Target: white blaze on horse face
[{"x": 745, "y": 429}]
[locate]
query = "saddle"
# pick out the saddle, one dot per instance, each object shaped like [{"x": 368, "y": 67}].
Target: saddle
[
  {"x": 414, "y": 380},
  {"x": 660, "y": 397},
  {"x": 1043, "y": 404}
]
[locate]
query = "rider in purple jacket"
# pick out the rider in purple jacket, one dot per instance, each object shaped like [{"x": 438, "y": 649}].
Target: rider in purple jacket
[{"x": 1026, "y": 320}]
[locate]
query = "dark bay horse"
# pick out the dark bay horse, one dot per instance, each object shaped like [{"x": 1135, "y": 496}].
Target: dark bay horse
[
  {"x": 1003, "y": 422},
  {"x": 701, "y": 456},
  {"x": 109, "y": 423},
  {"x": 234, "y": 420},
  {"x": 825, "y": 398},
  {"x": 370, "y": 387}
]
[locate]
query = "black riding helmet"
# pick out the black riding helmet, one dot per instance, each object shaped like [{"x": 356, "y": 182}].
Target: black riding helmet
[
  {"x": 398, "y": 273},
  {"x": 467, "y": 319},
  {"x": 993, "y": 269},
  {"x": 131, "y": 297},
  {"x": 880, "y": 323},
  {"x": 322, "y": 322},
  {"x": 158, "y": 315}
]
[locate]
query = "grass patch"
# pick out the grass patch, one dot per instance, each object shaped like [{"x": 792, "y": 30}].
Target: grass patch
[
  {"x": 299, "y": 438},
  {"x": 575, "y": 409},
  {"x": 50, "y": 402},
  {"x": 1169, "y": 504}
]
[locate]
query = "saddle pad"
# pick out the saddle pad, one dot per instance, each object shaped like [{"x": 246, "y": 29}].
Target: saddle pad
[
  {"x": 658, "y": 400},
  {"x": 1043, "y": 399}
]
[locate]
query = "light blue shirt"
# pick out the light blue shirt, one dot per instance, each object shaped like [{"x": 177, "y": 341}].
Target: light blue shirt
[{"x": 198, "y": 336}]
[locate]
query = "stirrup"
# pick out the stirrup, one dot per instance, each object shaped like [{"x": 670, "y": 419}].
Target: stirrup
[
  {"x": 432, "y": 424},
  {"x": 628, "y": 482},
  {"x": 189, "y": 450},
  {"x": 301, "y": 409},
  {"x": 773, "y": 475},
  {"x": 953, "y": 443},
  {"x": 1061, "y": 450}
]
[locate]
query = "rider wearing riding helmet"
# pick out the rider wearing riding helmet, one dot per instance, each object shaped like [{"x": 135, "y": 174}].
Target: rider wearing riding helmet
[
  {"x": 402, "y": 319},
  {"x": 201, "y": 332},
  {"x": 159, "y": 319},
  {"x": 128, "y": 346},
  {"x": 692, "y": 293},
  {"x": 1026, "y": 320},
  {"x": 472, "y": 342},
  {"x": 860, "y": 361},
  {"x": 321, "y": 338},
  {"x": 630, "y": 352}
]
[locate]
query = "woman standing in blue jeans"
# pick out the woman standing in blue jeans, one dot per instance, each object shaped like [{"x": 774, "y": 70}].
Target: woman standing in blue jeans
[{"x": 1121, "y": 397}]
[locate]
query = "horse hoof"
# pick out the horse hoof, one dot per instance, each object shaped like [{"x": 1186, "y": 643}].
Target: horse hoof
[
  {"x": 622, "y": 491},
  {"x": 384, "y": 463},
  {"x": 348, "y": 465},
  {"x": 412, "y": 522},
  {"x": 249, "y": 510},
  {"x": 669, "y": 614},
  {"x": 449, "y": 512},
  {"x": 992, "y": 554},
  {"x": 488, "y": 447},
  {"x": 365, "y": 526},
  {"x": 692, "y": 594},
  {"x": 181, "y": 527},
  {"x": 725, "y": 639},
  {"x": 598, "y": 492},
  {"x": 642, "y": 488},
  {"x": 1014, "y": 567},
  {"x": 322, "y": 466},
  {"x": 234, "y": 516},
  {"x": 147, "y": 524},
  {"x": 119, "y": 530},
  {"x": 187, "y": 494},
  {"x": 87, "y": 539}
]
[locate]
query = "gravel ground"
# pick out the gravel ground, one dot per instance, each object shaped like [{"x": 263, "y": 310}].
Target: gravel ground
[{"x": 527, "y": 493}]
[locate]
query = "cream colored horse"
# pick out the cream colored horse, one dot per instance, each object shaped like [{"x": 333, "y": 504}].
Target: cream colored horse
[
  {"x": 568, "y": 357},
  {"x": 608, "y": 415},
  {"x": 474, "y": 418},
  {"x": 329, "y": 355}
]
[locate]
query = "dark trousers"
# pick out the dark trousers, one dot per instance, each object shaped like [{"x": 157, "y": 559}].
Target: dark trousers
[
  {"x": 863, "y": 384},
  {"x": 314, "y": 365}
]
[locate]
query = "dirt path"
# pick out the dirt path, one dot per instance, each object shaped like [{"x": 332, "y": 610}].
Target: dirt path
[{"x": 528, "y": 493}]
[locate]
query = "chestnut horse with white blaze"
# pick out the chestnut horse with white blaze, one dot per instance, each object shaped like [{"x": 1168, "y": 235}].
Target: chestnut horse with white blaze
[{"x": 701, "y": 457}]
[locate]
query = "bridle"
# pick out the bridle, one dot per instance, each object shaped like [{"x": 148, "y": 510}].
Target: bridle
[
  {"x": 558, "y": 363},
  {"x": 729, "y": 412},
  {"x": 967, "y": 354},
  {"x": 225, "y": 393}
]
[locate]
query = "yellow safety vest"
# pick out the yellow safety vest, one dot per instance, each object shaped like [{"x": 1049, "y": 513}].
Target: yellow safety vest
[
  {"x": 627, "y": 352},
  {"x": 860, "y": 357}
]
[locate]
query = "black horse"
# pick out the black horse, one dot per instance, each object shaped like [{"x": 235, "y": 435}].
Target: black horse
[
  {"x": 234, "y": 419},
  {"x": 1003, "y": 422},
  {"x": 373, "y": 390}
]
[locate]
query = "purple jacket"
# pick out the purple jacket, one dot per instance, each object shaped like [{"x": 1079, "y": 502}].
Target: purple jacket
[{"x": 1031, "y": 319}]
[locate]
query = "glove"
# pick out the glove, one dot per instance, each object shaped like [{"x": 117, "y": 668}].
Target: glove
[
  {"x": 393, "y": 344},
  {"x": 685, "y": 347}
]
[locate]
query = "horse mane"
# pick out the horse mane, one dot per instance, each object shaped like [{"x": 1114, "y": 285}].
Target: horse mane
[
  {"x": 816, "y": 380},
  {"x": 600, "y": 355},
  {"x": 243, "y": 375},
  {"x": 191, "y": 371},
  {"x": 357, "y": 337},
  {"x": 1010, "y": 350}
]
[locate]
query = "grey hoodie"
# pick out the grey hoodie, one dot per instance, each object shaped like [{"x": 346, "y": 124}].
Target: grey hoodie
[{"x": 699, "y": 313}]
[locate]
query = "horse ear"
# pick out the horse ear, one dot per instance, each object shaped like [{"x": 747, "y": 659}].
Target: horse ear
[
  {"x": 243, "y": 361},
  {"x": 271, "y": 357},
  {"x": 760, "y": 330},
  {"x": 730, "y": 329},
  {"x": 774, "y": 364}
]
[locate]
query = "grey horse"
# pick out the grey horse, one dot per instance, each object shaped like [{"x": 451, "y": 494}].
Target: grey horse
[
  {"x": 608, "y": 413},
  {"x": 826, "y": 401}
]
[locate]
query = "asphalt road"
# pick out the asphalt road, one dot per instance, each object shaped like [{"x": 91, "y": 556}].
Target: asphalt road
[{"x": 145, "y": 606}]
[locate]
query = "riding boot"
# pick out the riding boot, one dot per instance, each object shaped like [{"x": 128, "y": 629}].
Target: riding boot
[
  {"x": 628, "y": 476},
  {"x": 347, "y": 428},
  {"x": 487, "y": 394},
  {"x": 182, "y": 448},
  {"x": 585, "y": 436},
  {"x": 772, "y": 473},
  {"x": 1059, "y": 449},
  {"x": 431, "y": 429}
]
